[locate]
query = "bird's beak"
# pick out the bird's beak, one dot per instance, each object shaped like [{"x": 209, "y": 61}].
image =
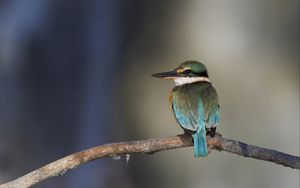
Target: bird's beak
[{"x": 167, "y": 75}]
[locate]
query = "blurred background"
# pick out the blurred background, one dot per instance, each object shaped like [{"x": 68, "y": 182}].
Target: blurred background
[{"x": 76, "y": 74}]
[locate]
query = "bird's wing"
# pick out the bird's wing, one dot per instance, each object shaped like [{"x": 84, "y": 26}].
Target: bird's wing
[
  {"x": 189, "y": 111},
  {"x": 214, "y": 117},
  {"x": 211, "y": 106}
]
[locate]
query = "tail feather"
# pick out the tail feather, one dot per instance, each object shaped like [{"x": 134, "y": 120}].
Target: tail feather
[{"x": 200, "y": 144}]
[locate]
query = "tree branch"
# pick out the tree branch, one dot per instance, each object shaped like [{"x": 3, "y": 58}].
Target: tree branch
[{"x": 150, "y": 146}]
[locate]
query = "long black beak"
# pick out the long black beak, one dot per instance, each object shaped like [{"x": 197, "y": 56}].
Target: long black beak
[{"x": 167, "y": 75}]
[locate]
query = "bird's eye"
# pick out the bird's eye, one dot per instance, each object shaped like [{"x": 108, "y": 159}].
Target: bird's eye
[{"x": 187, "y": 72}]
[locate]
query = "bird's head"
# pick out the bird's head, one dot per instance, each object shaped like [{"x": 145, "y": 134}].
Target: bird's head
[{"x": 187, "y": 72}]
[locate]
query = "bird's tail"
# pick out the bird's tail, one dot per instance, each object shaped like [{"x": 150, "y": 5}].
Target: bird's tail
[{"x": 200, "y": 144}]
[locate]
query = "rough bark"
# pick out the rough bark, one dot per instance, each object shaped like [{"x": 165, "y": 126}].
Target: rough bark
[{"x": 150, "y": 146}]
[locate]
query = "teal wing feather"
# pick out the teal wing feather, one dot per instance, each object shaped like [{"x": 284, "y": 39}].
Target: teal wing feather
[
  {"x": 187, "y": 118},
  {"x": 192, "y": 100},
  {"x": 214, "y": 117},
  {"x": 196, "y": 108},
  {"x": 212, "y": 107},
  {"x": 193, "y": 121}
]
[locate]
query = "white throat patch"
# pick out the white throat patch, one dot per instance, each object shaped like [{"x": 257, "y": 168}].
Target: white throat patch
[{"x": 187, "y": 80}]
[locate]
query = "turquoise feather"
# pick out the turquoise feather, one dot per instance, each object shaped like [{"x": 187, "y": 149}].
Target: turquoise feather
[
  {"x": 200, "y": 144},
  {"x": 196, "y": 108},
  {"x": 194, "y": 102}
]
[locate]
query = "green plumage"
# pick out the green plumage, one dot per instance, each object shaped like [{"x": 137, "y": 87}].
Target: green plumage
[
  {"x": 196, "y": 109},
  {"x": 194, "y": 102},
  {"x": 187, "y": 99}
]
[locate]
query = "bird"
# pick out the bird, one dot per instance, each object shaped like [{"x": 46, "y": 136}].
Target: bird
[{"x": 194, "y": 102}]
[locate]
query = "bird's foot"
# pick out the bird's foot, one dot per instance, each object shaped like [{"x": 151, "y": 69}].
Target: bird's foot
[{"x": 211, "y": 131}]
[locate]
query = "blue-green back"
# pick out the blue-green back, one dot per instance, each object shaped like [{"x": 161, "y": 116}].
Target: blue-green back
[{"x": 196, "y": 103}]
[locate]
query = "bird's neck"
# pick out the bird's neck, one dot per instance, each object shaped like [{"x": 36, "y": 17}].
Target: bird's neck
[{"x": 188, "y": 80}]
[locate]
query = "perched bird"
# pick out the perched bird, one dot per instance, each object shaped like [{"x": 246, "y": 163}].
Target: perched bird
[{"x": 194, "y": 102}]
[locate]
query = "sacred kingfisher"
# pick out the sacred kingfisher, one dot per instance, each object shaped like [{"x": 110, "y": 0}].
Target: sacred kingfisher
[{"x": 194, "y": 102}]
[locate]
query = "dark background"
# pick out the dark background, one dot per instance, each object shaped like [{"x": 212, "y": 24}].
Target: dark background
[{"x": 76, "y": 74}]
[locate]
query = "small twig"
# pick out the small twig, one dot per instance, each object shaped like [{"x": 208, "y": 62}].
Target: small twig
[{"x": 61, "y": 166}]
